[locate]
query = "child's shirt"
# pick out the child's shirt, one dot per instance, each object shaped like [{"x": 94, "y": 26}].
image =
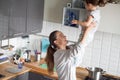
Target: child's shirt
[{"x": 96, "y": 18}]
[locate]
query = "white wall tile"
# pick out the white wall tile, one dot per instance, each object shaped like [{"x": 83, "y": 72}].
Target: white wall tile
[
  {"x": 98, "y": 35},
  {"x": 87, "y": 57}
]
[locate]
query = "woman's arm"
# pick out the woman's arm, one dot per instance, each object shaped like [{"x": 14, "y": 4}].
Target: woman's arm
[
  {"x": 84, "y": 23},
  {"x": 81, "y": 44},
  {"x": 76, "y": 54}
]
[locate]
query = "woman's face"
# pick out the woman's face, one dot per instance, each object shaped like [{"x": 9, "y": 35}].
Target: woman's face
[{"x": 60, "y": 40}]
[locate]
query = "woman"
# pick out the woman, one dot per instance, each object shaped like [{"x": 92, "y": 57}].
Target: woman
[{"x": 63, "y": 57}]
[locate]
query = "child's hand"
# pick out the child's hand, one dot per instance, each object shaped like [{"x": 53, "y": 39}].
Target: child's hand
[{"x": 75, "y": 21}]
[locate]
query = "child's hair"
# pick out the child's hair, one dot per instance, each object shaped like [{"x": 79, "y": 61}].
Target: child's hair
[{"x": 100, "y": 3}]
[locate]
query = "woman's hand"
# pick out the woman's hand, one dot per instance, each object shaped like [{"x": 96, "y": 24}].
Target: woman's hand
[{"x": 75, "y": 22}]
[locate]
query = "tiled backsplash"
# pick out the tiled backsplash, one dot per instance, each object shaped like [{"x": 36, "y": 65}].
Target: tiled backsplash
[{"x": 103, "y": 52}]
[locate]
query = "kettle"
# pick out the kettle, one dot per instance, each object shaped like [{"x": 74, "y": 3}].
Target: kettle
[{"x": 95, "y": 73}]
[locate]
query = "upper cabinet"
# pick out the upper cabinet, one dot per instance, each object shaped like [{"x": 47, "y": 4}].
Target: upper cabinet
[
  {"x": 70, "y": 14},
  {"x": 17, "y": 25},
  {"x": 20, "y": 17},
  {"x": 75, "y": 11},
  {"x": 35, "y": 15},
  {"x": 4, "y": 18}
]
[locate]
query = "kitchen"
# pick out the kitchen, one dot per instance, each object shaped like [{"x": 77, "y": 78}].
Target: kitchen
[{"x": 105, "y": 44}]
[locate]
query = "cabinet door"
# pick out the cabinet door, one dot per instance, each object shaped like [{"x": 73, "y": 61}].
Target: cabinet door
[
  {"x": 24, "y": 76},
  {"x": 35, "y": 12},
  {"x": 36, "y": 76},
  {"x": 17, "y": 18},
  {"x": 4, "y": 17}
]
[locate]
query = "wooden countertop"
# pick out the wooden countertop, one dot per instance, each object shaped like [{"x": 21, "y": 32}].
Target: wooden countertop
[
  {"x": 81, "y": 72},
  {"x": 9, "y": 75},
  {"x": 36, "y": 68}
]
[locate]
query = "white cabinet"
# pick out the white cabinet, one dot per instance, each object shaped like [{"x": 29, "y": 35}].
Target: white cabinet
[
  {"x": 110, "y": 18},
  {"x": 76, "y": 12}
]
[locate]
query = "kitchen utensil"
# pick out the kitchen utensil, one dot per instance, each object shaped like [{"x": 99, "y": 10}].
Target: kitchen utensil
[{"x": 95, "y": 72}]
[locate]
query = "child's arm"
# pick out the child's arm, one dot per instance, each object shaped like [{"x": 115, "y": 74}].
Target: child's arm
[
  {"x": 93, "y": 24},
  {"x": 84, "y": 23}
]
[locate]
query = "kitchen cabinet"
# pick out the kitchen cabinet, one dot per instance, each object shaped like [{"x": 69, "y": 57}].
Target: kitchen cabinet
[
  {"x": 17, "y": 25},
  {"x": 4, "y": 18},
  {"x": 76, "y": 12},
  {"x": 70, "y": 14},
  {"x": 35, "y": 11},
  {"x": 24, "y": 76},
  {"x": 36, "y": 76},
  {"x": 20, "y": 17}
]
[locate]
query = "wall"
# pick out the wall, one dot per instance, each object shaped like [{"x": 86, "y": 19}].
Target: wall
[
  {"x": 54, "y": 9},
  {"x": 110, "y": 18}
]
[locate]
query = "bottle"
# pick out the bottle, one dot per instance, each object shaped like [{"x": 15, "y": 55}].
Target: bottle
[{"x": 38, "y": 56}]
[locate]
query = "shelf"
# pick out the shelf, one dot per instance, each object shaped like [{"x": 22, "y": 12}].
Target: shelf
[{"x": 70, "y": 14}]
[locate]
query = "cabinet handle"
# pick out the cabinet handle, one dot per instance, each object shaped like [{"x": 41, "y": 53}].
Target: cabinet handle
[{"x": 17, "y": 34}]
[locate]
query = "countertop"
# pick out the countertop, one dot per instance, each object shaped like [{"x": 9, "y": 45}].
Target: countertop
[
  {"x": 9, "y": 75},
  {"x": 37, "y": 69},
  {"x": 81, "y": 73}
]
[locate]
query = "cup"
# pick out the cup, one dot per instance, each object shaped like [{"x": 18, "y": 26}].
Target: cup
[{"x": 20, "y": 65}]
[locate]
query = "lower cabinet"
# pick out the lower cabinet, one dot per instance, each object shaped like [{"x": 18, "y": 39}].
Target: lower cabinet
[
  {"x": 36, "y": 76},
  {"x": 24, "y": 76},
  {"x": 31, "y": 76}
]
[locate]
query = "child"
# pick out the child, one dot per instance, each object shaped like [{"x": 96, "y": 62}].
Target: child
[{"x": 93, "y": 15}]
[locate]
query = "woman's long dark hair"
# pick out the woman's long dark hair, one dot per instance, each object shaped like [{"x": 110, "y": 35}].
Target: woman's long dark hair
[
  {"x": 50, "y": 52},
  {"x": 100, "y": 3}
]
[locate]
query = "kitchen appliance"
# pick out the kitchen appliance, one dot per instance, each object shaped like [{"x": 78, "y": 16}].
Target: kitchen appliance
[
  {"x": 28, "y": 56},
  {"x": 95, "y": 73}
]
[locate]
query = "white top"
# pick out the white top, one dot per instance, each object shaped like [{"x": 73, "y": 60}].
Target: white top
[
  {"x": 66, "y": 61},
  {"x": 96, "y": 18}
]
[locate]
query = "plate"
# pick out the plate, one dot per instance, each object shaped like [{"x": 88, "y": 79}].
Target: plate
[{"x": 13, "y": 70}]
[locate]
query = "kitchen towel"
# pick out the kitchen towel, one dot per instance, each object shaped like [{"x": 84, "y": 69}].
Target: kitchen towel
[{"x": 44, "y": 45}]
